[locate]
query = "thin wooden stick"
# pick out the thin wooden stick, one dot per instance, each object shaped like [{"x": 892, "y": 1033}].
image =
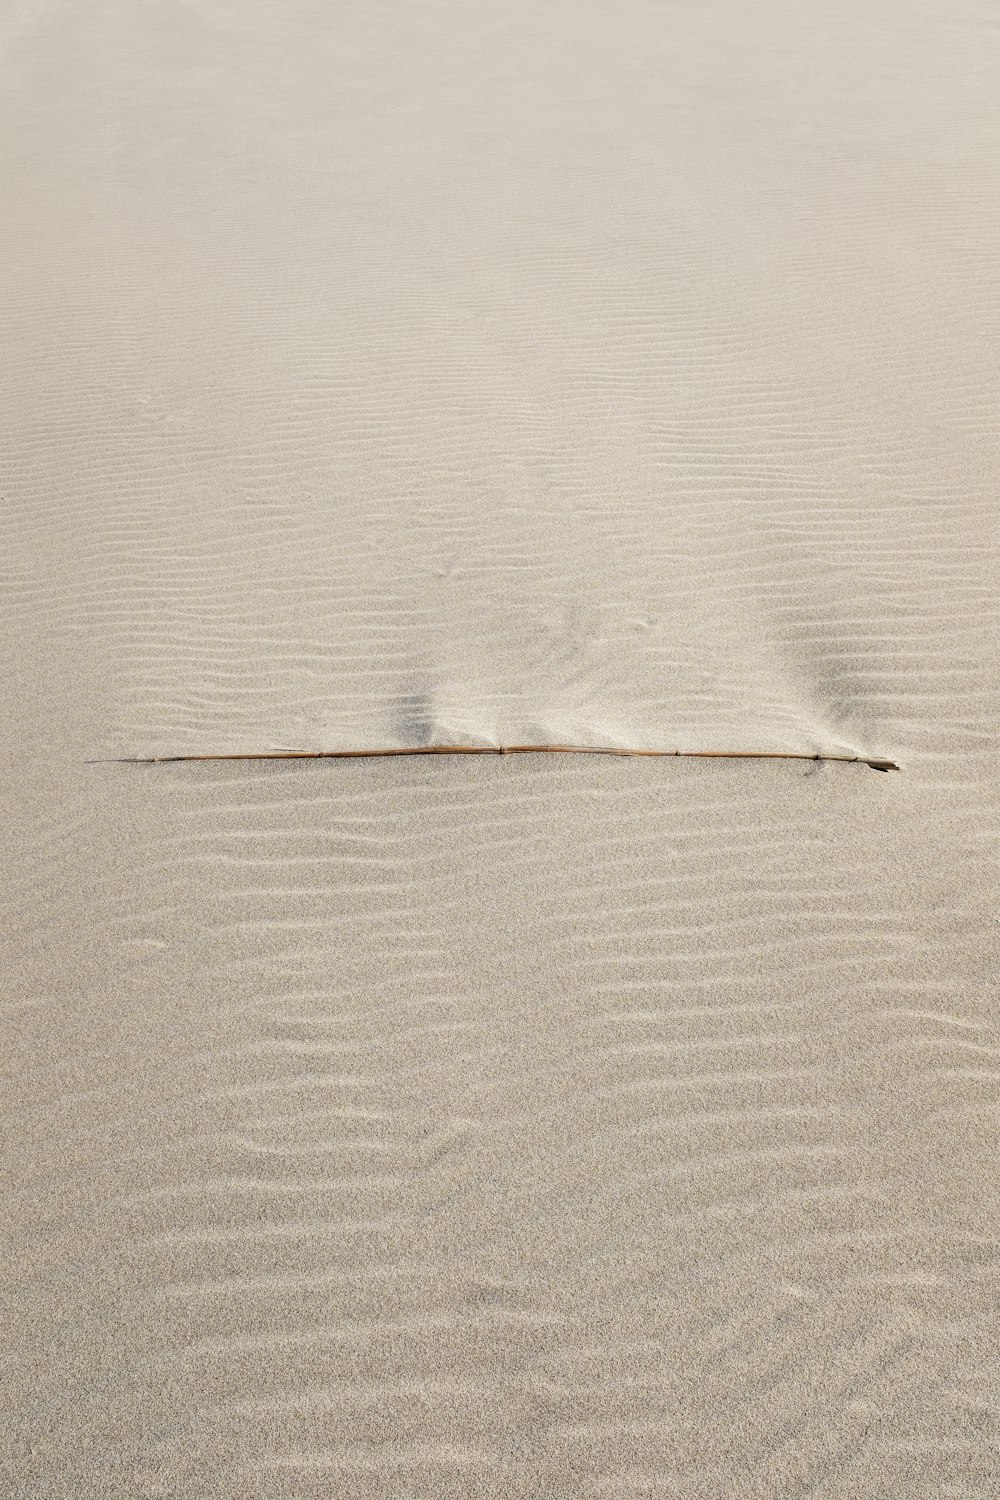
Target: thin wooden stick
[{"x": 876, "y": 763}]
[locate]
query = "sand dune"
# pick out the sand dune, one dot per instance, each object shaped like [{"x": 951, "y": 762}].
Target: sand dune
[{"x": 386, "y": 375}]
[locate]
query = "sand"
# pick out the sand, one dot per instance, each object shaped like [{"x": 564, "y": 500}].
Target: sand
[{"x": 386, "y": 374}]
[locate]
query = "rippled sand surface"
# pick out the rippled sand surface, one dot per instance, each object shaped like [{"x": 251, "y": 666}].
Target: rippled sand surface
[{"x": 383, "y": 374}]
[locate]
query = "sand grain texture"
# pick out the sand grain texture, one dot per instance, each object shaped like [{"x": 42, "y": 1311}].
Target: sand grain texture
[{"x": 387, "y": 375}]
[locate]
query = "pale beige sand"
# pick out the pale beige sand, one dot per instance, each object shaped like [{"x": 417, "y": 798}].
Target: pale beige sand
[{"x": 387, "y": 372}]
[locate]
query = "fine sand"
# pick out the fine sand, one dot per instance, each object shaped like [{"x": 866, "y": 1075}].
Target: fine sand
[{"x": 389, "y": 373}]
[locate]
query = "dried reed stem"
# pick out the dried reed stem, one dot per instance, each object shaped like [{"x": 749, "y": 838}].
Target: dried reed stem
[{"x": 875, "y": 762}]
